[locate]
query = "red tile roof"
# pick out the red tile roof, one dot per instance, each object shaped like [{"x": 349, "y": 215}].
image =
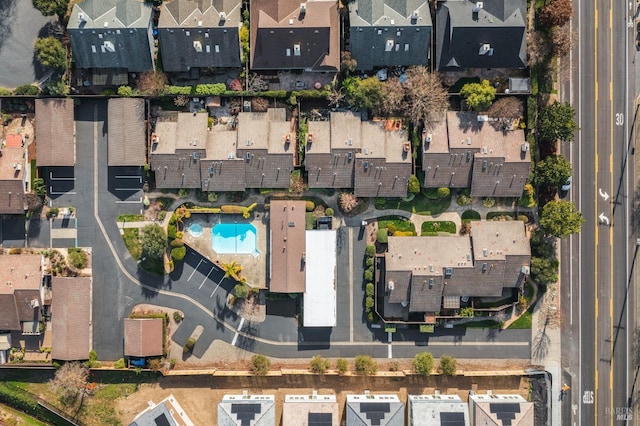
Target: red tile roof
[{"x": 13, "y": 141}]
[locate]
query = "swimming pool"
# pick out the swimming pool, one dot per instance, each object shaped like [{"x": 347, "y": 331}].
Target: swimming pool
[
  {"x": 195, "y": 229},
  {"x": 234, "y": 238}
]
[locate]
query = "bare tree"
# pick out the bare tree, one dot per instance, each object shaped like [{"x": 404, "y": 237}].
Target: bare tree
[
  {"x": 426, "y": 97},
  {"x": 335, "y": 96},
  {"x": 152, "y": 83},
  {"x": 556, "y": 13},
  {"x": 259, "y": 104},
  {"x": 393, "y": 96},
  {"x": 70, "y": 381},
  {"x": 561, "y": 40},
  {"x": 347, "y": 63},
  {"x": 348, "y": 201},
  {"x": 508, "y": 108},
  {"x": 537, "y": 47}
]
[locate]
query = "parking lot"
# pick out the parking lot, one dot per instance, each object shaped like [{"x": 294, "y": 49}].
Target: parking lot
[
  {"x": 125, "y": 183},
  {"x": 60, "y": 181}
]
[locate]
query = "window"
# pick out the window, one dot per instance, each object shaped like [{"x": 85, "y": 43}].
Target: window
[
  {"x": 388, "y": 47},
  {"x": 93, "y": 48},
  {"x": 296, "y": 49},
  {"x": 187, "y": 33},
  {"x": 217, "y": 48},
  {"x": 208, "y": 48},
  {"x": 448, "y": 272},
  {"x": 206, "y": 35},
  {"x": 406, "y": 47},
  {"x": 288, "y": 52}
]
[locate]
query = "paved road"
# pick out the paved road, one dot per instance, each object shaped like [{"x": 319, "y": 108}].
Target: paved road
[{"x": 599, "y": 272}]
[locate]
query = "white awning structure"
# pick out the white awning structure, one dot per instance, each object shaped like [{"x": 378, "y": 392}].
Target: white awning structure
[{"x": 320, "y": 292}]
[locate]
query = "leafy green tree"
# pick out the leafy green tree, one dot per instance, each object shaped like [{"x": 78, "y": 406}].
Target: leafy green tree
[
  {"x": 561, "y": 218},
  {"x": 241, "y": 291},
  {"x": 260, "y": 364},
  {"x": 553, "y": 171},
  {"x": 363, "y": 93},
  {"x": 414, "y": 185},
  {"x": 319, "y": 365},
  {"x": 50, "y": 52},
  {"x": 125, "y": 91},
  {"x": 544, "y": 270},
  {"x": 557, "y": 121},
  {"x": 57, "y": 87},
  {"x": 27, "y": 89},
  {"x": 478, "y": 95},
  {"x": 443, "y": 192},
  {"x": 364, "y": 364},
  {"x": 178, "y": 253},
  {"x": 153, "y": 241},
  {"x": 423, "y": 363},
  {"x": 51, "y": 7},
  {"x": 448, "y": 365},
  {"x": 542, "y": 245},
  {"x": 188, "y": 346}
]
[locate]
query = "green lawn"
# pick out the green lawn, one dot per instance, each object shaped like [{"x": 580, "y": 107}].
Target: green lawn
[
  {"x": 131, "y": 240},
  {"x": 24, "y": 419},
  {"x": 401, "y": 224},
  {"x": 524, "y": 322},
  {"x": 421, "y": 204},
  {"x": 469, "y": 215},
  {"x": 430, "y": 227},
  {"x": 130, "y": 218}
]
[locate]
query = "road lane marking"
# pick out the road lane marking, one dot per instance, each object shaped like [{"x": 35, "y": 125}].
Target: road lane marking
[
  {"x": 128, "y": 189},
  {"x": 194, "y": 270},
  {"x": 206, "y": 278},
  {"x": 350, "y": 234},
  {"x": 595, "y": 138},
  {"x": 235, "y": 337},
  {"x": 129, "y": 201},
  {"x": 216, "y": 288},
  {"x": 390, "y": 351}
]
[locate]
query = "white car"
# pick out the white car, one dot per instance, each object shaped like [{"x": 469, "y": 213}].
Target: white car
[{"x": 567, "y": 185}]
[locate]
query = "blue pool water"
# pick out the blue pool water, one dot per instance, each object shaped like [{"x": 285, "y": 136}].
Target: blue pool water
[
  {"x": 234, "y": 238},
  {"x": 195, "y": 229}
]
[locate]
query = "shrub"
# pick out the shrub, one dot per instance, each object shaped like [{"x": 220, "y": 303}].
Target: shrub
[
  {"x": 119, "y": 363},
  {"x": 178, "y": 90},
  {"x": 93, "y": 363},
  {"x": 319, "y": 365},
  {"x": 448, "y": 365},
  {"x": 444, "y": 192},
  {"x": 382, "y": 236},
  {"x": 342, "y": 365},
  {"x": 77, "y": 257},
  {"x": 241, "y": 291},
  {"x": 369, "y": 290},
  {"x": 423, "y": 363},
  {"x": 53, "y": 212},
  {"x": 524, "y": 218},
  {"x": 368, "y": 303},
  {"x": 370, "y": 250},
  {"x": 364, "y": 364},
  {"x": 27, "y": 89},
  {"x": 463, "y": 200},
  {"x": 466, "y": 312},
  {"x": 125, "y": 91},
  {"x": 177, "y": 316},
  {"x": 488, "y": 202},
  {"x": 368, "y": 275},
  {"x": 188, "y": 347},
  {"x": 369, "y": 262},
  {"x": 260, "y": 364},
  {"x": 178, "y": 253},
  {"x": 178, "y": 242},
  {"x": 155, "y": 364},
  {"x": 214, "y": 89},
  {"x": 171, "y": 231},
  {"x": 172, "y": 363},
  {"x": 328, "y": 211},
  {"x": 414, "y": 185},
  {"x": 309, "y": 205},
  {"x": 5, "y": 92},
  {"x": 470, "y": 215}
]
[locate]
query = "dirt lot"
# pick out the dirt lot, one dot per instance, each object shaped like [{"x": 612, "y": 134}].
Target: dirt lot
[{"x": 199, "y": 395}]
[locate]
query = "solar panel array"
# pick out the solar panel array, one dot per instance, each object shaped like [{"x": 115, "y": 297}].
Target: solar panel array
[
  {"x": 452, "y": 419},
  {"x": 375, "y": 411},
  {"x": 245, "y": 413},
  {"x": 319, "y": 419},
  {"x": 505, "y": 412}
]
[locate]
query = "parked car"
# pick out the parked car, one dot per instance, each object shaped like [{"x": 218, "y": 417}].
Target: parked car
[{"x": 567, "y": 185}]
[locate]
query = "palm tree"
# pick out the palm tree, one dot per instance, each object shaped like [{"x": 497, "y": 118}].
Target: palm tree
[{"x": 232, "y": 270}]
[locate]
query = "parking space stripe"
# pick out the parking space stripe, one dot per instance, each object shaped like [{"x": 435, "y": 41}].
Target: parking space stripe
[
  {"x": 206, "y": 278},
  {"x": 235, "y": 337},
  {"x": 194, "y": 270}
]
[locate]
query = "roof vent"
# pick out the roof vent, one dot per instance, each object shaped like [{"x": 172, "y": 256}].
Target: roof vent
[
  {"x": 485, "y": 252},
  {"x": 485, "y": 49},
  {"x": 296, "y": 49},
  {"x": 303, "y": 9},
  {"x": 106, "y": 24},
  {"x": 429, "y": 138},
  {"x": 390, "y": 285},
  {"x": 109, "y": 47},
  {"x": 414, "y": 15},
  {"x": 468, "y": 141},
  {"x": 476, "y": 7}
]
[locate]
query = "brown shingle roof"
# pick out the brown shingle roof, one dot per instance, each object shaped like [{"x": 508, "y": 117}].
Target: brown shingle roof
[
  {"x": 143, "y": 337},
  {"x": 278, "y": 26},
  {"x": 20, "y": 272},
  {"x": 287, "y": 231},
  {"x": 71, "y": 318},
  {"x": 127, "y": 132},
  {"x": 55, "y": 132},
  {"x": 9, "y": 317}
]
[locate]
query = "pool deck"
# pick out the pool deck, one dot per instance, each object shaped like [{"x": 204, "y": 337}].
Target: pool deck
[{"x": 254, "y": 268}]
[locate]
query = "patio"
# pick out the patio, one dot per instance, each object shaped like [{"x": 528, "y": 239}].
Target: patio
[{"x": 254, "y": 266}]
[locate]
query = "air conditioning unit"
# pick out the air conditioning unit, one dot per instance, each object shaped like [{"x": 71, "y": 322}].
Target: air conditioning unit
[
  {"x": 390, "y": 285},
  {"x": 197, "y": 46},
  {"x": 525, "y": 147},
  {"x": 223, "y": 16},
  {"x": 476, "y": 7},
  {"x": 525, "y": 270},
  {"x": 109, "y": 47},
  {"x": 82, "y": 17},
  {"x": 414, "y": 15},
  {"x": 485, "y": 49}
]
